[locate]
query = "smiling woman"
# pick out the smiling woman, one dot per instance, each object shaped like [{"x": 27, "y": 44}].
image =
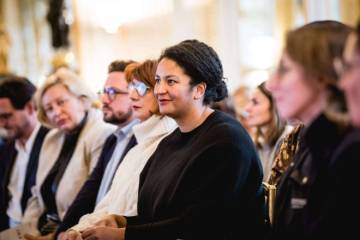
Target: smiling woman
[
  {"x": 206, "y": 173},
  {"x": 199, "y": 175},
  {"x": 270, "y": 128}
]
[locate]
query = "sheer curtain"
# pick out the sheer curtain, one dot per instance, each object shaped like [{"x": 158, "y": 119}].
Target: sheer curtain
[
  {"x": 4, "y": 43},
  {"x": 30, "y": 49}
]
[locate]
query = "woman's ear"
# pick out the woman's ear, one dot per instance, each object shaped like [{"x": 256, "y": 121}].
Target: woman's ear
[{"x": 199, "y": 90}]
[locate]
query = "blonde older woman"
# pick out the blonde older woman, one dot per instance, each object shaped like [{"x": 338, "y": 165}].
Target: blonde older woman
[{"x": 71, "y": 149}]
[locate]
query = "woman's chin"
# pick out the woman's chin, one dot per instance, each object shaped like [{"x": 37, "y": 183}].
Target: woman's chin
[
  {"x": 141, "y": 116},
  {"x": 66, "y": 128},
  {"x": 164, "y": 110}
]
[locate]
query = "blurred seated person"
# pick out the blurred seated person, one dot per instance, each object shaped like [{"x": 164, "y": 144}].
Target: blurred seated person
[
  {"x": 20, "y": 153},
  {"x": 313, "y": 200},
  {"x": 70, "y": 150},
  {"x": 263, "y": 116},
  {"x": 240, "y": 98},
  {"x": 348, "y": 68}
]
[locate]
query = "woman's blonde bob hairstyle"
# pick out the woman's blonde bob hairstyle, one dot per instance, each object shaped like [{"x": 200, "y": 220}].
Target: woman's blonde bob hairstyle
[{"x": 72, "y": 83}]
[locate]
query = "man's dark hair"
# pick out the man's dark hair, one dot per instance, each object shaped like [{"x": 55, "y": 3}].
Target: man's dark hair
[
  {"x": 119, "y": 65},
  {"x": 19, "y": 90}
]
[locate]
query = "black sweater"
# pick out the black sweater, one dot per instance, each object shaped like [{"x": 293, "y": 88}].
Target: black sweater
[{"x": 203, "y": 184}]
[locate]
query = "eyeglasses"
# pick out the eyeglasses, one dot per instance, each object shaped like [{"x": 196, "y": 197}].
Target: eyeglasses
[
  {"x": 111, "y": 93},
  {"x": 140, "y": 87}
]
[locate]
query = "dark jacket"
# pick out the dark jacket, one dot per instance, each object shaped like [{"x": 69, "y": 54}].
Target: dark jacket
[
  {"x": 314, "y": 198},
  {"x": 7, "y": 159}
]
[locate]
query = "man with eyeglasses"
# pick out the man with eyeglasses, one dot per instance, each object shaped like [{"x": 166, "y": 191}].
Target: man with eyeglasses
[
  {"x": 19, "y": 156},
  {"x": 116, "y": 107}
]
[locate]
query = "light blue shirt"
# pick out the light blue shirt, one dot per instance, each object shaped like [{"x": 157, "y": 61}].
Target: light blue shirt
[{"x": 123, "y": 136}]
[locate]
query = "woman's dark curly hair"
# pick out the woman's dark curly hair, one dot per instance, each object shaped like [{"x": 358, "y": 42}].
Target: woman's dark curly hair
[{"x": 202, "y": 64}]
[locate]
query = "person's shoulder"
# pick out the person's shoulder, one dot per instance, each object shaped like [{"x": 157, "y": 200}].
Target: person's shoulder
[
  {"x": 225, "y": 122},
  {"x": 54, "y": 133},
  {"x": 348, "y": 148},
  {"x": 353, "y": 135},
  {"x": 351, "y": 138},
  {"x": 223, "y": 125},
  {"x": 95, "y": 123},
  {"x": 168, "y": 123},
  {"x": 159, "y": 124}
]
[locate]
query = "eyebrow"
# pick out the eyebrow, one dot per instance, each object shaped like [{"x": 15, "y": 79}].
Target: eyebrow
[
  {"x": 170, "y": 76},
  {"x": 115, "y": 88},
  {"x": 62, "y": 98}
]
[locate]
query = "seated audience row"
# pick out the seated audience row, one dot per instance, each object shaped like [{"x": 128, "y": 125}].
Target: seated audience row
[{"x": 161, "y": 160}]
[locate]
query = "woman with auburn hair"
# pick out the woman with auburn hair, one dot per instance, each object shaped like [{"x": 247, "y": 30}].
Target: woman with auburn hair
[
  {"x": 122, "y": 197},
  {"x": 204, "y": 179},
  {"x": 304, "y": 88}
]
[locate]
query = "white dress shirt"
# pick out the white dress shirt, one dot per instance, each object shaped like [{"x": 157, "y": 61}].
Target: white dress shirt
[{"x": 17, "y": 179}]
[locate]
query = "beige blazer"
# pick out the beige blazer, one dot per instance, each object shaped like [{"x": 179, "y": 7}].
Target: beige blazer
[{"x": 84, "y": 159}]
